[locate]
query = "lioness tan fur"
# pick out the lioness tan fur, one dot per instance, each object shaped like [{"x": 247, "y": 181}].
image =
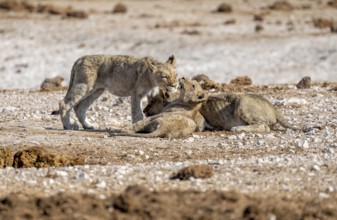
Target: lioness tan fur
[
  {"x": 178, "y": 119},
  {"x": 229, "y": 111},
  {"x": 120, "y": 75}
]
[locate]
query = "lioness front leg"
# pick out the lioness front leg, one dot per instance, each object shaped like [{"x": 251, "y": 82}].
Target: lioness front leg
[
  {"x": 73, "y": 97},
  {"x": 136, "y": 107},
  {"x": 82, "y": 107}
]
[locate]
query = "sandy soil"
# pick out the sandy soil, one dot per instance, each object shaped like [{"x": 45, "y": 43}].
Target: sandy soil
[{"x": 284, "y": 174}]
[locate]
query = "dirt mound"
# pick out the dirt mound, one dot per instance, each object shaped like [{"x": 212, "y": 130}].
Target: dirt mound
[
  {"x": 304, "y": 83},
  {"x": 12, "y": 5},
  {"x": 51, "y": 84},
  {"x": 242, "y": 80},
  {"x": 258, "y": 28},
  {"x": 6, "y": 157},
  {"x": 224, "y": 8},
  {"x": 321, "y": 23},
  {"x": 206, "y": 83},
  {"x": 61, "y": 206},
  {"x": 119, "y": 8},
  {"x": 137, "y": 202},
  {"x": 281, "y": 6},
  {"x": 332, "y": 3},
  {"x": 23, "y": 6},
  {"x": 41, "y": 157},
  {"x": 196, "y": 171}
]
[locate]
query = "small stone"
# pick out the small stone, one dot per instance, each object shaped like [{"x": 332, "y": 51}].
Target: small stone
[
  {"x": 232, "y": 137},
  {"x": 61, "y": 173},
  {"x": 304, "y": 83},
  {"x": 330, "y": 189},
  {"x": 140, "y": 152},
  {"x": 260, "y": 142},
  {"x": 101, "y": 184},
  {"x": 241, "y": 136},
  {"x": 189, "y": 140},
  {"x": 119, "y": 8},
  {"x": 334, "y": 145},
  {"x": 296, "y": 101},
  {"x": 81, "y": 175},
  {"x": 6, "y": 157},
  {"x": 258, "y": 28},
  {"x": 224, "y": 8},
  {"x": 303, "y": 144},
  {"x": 189, "y": 152},
  {"x": 51, "y": 84},
  {"x": 196, "y": 171},
  {"x": 316, "y": 167},
  {"x": 323, "y": 195},
  {"x": 196, "y": 136},
  {"x": 242, "y": 81}
]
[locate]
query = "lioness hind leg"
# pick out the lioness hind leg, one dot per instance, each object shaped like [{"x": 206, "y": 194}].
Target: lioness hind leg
[
  {"x": 73, "y": 97},
  {"x": 82, "y": 107},
  {"x": 260, "y": 128}
]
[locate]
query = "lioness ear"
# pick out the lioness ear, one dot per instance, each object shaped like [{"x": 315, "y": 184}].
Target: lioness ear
[{"x": 171, "y": 60}]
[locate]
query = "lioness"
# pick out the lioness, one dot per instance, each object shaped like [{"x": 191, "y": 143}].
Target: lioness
[
  {"x": 178, "y": 119},
  {"x": 120, "y": 75}
]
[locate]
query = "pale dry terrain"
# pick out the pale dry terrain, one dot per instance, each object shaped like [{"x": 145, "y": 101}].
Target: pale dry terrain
[{"x": 283, "y": 174}]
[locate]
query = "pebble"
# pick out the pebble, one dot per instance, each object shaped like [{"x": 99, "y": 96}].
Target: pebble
[
  {"x": 139, "y": 152},
  {"x": 189, "y": 140},
  {"x": 101, "y": 184},
  {"x": 316, "y": 167},
  {"x": 81, "y": 175},
  {"x": 303, "y": 144},
  {"x": 196, "y": 136},
  {"x": 296, "y": 101},
  {"x": 232, "y": 137},
  {"x": 61, "y": 173},
  {"x": 323, "y": 195}
]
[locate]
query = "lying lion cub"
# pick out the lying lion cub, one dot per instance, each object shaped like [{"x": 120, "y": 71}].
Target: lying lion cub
[
  {"x": 242, "y": 112},
  {"x": 121, "y": 76},
  {"x": 230, "y": 111},
  {"x": 178, "y": 119}
]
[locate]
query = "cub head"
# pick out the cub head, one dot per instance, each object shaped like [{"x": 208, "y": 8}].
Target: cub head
[
  {"x": 191, "y": 91},
  {"x": 157, "y": 103},
  {"x": 164, "y": 73}
]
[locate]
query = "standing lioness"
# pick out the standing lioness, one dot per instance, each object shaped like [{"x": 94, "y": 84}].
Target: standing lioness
[{"x": 120, "y": 75}]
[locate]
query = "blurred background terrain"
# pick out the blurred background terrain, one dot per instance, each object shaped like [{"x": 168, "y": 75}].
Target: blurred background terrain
[{"x": 270, "y": 41}]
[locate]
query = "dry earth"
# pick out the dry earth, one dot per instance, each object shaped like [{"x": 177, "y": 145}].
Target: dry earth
[{"x": 284, "y": 174}]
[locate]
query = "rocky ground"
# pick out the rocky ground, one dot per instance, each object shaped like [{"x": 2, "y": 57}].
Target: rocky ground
[
  {"x": 283, "y": 174},
  {"x": 279, "y": 173}
]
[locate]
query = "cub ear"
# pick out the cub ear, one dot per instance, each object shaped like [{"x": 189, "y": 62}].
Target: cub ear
[
  {"x": 171, "y": 60},
  {"x": 148, "y": 65}
]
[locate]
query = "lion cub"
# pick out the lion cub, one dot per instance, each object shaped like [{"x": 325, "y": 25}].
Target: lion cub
[
  {"x": 178, "y": 119},
  {"x": 242, "y": 113},
  {"x": 120, "y": 75},
  {"x": 229, "y": 111}
]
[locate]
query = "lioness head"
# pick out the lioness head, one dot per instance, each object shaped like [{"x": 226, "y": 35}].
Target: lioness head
[
  {"x": 165, "y": 73},
  {"x": 191, "y": 91}
]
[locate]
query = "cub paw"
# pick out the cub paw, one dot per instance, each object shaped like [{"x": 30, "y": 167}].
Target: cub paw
[
  {"x": 71, "y": 127},
  {"x": 236, "y": 129}
]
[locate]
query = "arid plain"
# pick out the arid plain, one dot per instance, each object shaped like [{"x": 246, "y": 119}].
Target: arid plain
[{"x": 283, "y": 174}]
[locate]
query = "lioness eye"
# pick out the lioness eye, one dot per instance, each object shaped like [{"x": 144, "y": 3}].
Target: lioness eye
[{"x": 193, "y": 86}]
